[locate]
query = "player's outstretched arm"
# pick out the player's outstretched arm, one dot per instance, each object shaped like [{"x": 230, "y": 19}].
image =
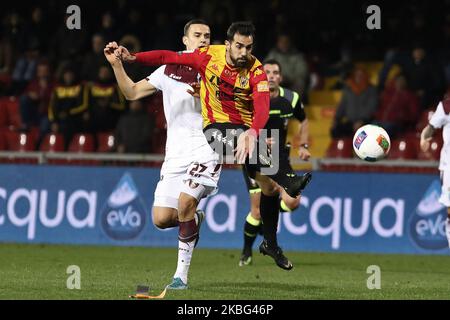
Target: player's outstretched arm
[
  {"x": 425, "y": 137},
  {"x": 303, "y": 152},
  {"x": 160, "y": 57},
  {"x": 130, "y": 89},
  {"x": 261, "y": 105}
]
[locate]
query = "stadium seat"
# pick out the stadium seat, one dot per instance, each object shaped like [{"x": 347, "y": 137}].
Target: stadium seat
[
  {"x": 3, "y": 112},
  {"x": 424, "y": 118},
  {"x": 331, "y": 82},
  {"x": 340, "y": 148},
  {"x": 404, "y": 148},
  {"x": 12, "y": 106},
  {"x": 17, "y": 141},
  {"x": 52, "y": 143},
  {"x": 3, "y": 145},
  {"x": 325, "y": 97},
  {"x": 82, "y": 143},
  {"x": 158, "y": 142},
  {"x": 34, "y": 133},
  {"x": 105, "y": 141}
]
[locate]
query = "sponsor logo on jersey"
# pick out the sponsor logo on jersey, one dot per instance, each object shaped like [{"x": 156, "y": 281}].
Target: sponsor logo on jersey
[
  {"x": 258, "y": 72},
  {"x": 215, "y": 67},
  {"x": 262, "y": 86}
]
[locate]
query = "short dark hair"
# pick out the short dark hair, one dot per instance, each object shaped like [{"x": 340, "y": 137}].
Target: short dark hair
[
  {"x": 245, "y": 28},
  {"x": 272, "y": 61},
  {"x": 191, "y": 22}
]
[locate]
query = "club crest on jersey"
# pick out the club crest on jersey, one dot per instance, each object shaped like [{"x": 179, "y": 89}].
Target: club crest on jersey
[
  {"x": 192, "y": 184},
  {"x": 243, "y": 80},
  {"x": 360, "y": 138}
]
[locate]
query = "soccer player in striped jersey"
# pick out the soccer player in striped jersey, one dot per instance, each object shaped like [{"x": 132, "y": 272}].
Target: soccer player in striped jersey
[
  {"x": 235, "y": 108},
  {"x": 284, "y": 105}
]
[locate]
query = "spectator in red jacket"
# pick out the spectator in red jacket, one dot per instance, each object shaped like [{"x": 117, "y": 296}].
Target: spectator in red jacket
[
  {"x": 35, "y": 100},
  {"x": 399, "y": 107}
]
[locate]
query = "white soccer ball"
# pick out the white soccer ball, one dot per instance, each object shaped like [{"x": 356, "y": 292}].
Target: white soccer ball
[{"x": 371, "y": 143}]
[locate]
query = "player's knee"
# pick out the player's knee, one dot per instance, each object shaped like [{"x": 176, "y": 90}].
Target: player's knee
[
  {"x": 164, "y": 218},
  {"x": 269, "y": 190},
  {"x": 268, "y": 186},
  {"x": 161, "y": 222}
]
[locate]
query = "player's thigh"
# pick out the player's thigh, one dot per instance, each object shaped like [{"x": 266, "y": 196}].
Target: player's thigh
[
  {"x": 168, "y": 190},
  {"x": 201, "y": 179},
  {"x": 268, "y": 186}
]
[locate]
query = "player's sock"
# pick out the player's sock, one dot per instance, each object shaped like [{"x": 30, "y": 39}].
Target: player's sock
[
  {"x": 447, "y": 230},
  {"x": 251, "y": 230},
  {"x": 187, "y": 233},
  {"x": 269, "y": 214},
  {"x": 284, "y": 207}
]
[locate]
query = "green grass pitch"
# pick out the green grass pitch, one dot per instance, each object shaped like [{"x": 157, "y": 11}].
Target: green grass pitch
[{"x": 39, "y": 272}]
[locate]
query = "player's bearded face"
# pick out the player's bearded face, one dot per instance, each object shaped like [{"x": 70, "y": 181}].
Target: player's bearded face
[{"x": 240, "y": 50}]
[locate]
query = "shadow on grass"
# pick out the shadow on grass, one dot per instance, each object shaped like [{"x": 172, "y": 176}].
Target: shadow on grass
[{"x": 257, "y": 286}]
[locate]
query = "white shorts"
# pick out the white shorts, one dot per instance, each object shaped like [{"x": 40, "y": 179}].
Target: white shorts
[
  {"x": 445, "y": 192},
  {"x": 196, "y": 179}
]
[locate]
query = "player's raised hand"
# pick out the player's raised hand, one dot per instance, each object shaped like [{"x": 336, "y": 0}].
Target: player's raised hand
[
  {"x": 196, "y": 90},
  {"x": 123, "y": 54},
  {"x": 304, "y": 154},
  {"x": 425, "y": 143},
  {"x": 109, "y": 52},
  {"x": 245, "y": 145}
]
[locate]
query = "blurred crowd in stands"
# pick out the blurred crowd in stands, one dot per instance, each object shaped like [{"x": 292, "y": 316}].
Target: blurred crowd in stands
[{"x": 60, "y": 82}]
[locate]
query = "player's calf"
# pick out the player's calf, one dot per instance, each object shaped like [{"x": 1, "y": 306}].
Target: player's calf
[
  {"x": 186, "y": 207},
  {"x": 287, "y": 203}
]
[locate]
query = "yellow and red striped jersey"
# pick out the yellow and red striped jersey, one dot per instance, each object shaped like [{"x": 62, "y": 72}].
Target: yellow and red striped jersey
[{"x": 228, "y": 94}]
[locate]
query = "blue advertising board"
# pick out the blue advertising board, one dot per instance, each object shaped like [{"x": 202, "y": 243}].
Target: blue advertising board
[{"x": 340, "y": 212}]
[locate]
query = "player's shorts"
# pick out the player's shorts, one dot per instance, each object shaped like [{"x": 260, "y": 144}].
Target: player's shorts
[
  {"x": 222, "y": 137},
  {"x": 445, "y": 192},
  {"x": 198, "y": 179},
  {"x": 251, "y": 184}
]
